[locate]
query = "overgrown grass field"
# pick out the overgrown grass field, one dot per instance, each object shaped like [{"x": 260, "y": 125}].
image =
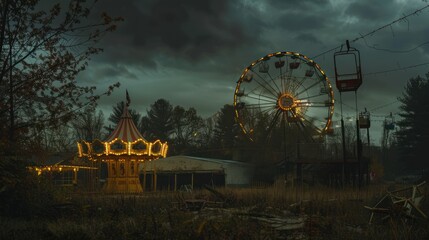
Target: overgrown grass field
[{"x": 226, "y": 213}]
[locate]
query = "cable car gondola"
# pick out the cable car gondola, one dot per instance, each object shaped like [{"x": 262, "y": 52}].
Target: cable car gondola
[
  {"x": 348, "y": 79},
  {"x": 364, "y": 120}
]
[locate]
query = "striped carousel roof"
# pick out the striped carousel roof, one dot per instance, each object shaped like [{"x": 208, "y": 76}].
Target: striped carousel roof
[{"x": 126, "y": 130}]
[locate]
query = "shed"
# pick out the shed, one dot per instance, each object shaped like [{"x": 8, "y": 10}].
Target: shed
[
  {"x": 65, "y": 170},
  {"x": 178, "y": 172}
]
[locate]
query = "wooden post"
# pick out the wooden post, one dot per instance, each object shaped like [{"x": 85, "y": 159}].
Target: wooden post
[
  {"x": 175, "y": 181},
  {"x": 75, "y": 176},
  {"x": 144, "y": 176},
  {"x": 192, "y": 180}
]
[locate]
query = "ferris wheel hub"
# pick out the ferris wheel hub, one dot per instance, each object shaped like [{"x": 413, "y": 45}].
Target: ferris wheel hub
[{"x": 286, "y": 102}]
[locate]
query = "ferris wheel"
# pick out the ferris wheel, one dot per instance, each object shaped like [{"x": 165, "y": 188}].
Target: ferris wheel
[{"x": 283, "y": 89}]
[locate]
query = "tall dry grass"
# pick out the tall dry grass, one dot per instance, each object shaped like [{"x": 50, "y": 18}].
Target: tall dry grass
[{"x": 330, "y": 213}]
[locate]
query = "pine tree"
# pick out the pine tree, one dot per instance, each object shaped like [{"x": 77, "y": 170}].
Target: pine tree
[
  {"x": 413, "y": 133},
  {"x": 159, "y": 121}
]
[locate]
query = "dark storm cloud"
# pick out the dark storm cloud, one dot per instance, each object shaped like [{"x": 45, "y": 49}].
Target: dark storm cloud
[
  {"x": 370, "y": 10},
  {"x": 296, "y": 4},
  {"x": 181, "y": 30},
  {"x": 300, "y": 16},
  {"x": 301, "y": 21},
  {"x": 100, "y": 73},
  {"x": 308, "y": 38},
  {"x": 115, "y": 71}
]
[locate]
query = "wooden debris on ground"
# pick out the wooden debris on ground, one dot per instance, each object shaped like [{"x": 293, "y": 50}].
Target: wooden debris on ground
[{"x": 402, "y": 203}]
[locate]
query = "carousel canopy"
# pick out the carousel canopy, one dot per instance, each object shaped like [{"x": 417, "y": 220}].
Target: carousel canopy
[
  {"x": 126, "y": 130},
  {"x": 124, "y": 140}
]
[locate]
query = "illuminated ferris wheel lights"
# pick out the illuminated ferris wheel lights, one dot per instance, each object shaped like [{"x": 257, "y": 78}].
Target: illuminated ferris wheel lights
[
  {"x": 264, "y": 67},
  {"x": 311, "y": 63},
  {"x": 329, "y": 103},
  {"x": 298, "y": 93},
  {"x": 248, "y": 77},
  {"x": 240, "y": 93}
]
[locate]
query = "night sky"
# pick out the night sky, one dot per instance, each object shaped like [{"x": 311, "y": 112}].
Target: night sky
[{"x": 192, "y": 52}]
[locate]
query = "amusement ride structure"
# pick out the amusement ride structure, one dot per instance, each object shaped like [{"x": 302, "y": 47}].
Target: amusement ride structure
[
  {"x": 123, "y": 151},
  {"x": 290, "y": 88}
]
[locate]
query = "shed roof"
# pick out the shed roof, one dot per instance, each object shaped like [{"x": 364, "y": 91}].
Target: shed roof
[{"x": 188, "y": 163}]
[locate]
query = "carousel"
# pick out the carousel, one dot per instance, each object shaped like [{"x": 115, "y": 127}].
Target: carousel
[{"x": 123, "y": 151}]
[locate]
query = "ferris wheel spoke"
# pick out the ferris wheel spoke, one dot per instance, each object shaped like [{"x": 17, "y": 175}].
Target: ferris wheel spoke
[
  {"x": 313, "y": 96},
  {"x": 299, "y": 123},
  {"x": 283, "y": 79},
  {"x": 316, "y": 104},
  {"x": 288, "y": 81},
  {"x": 299, "y": 84},
  {"x": 272, "y": 90},
  {"x": 258, "y": 88},
  {"x": 259, "y": 105},
  {"x": 265, "y": 81},
  {"x": 258, "y": 97},
  {"x": 255, "y": 110},
  {"x": 307, "y": 88},
  {"x": 253, "y": 103},
  {"x": 305, "y": 118},
  {"x": 273, "y": 81},
  {"x": 280, "y": 77},
  {"x": 274, "y": 121},
  {"x": 296, "y": 84},
  {"x": 268, "y": 110}
]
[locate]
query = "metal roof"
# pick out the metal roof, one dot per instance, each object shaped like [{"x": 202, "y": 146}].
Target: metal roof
[{"x": 200, "y": 159}]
